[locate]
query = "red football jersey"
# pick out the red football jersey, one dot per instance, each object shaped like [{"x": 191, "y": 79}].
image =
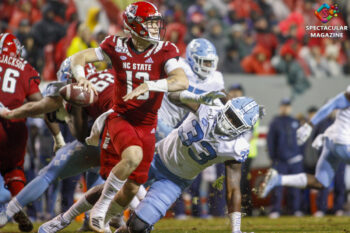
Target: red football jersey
[
  {"x": 134, "y": 68},
  {"x": 18, "y": 80},
  {"x": 103, "y": 82}
]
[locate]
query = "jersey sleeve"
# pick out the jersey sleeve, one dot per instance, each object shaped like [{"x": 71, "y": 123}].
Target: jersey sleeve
[
  {"x": 170, "y": 57},
  {"x": 108, "y": 45},
  {"x": 31, "y": 80}
]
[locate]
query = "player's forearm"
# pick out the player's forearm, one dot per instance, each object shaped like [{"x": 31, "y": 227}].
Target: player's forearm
[
  {"x": 79, "y": 60},
  {"x": 177, "y": 81},
  {"x": 32, "y": 109}
]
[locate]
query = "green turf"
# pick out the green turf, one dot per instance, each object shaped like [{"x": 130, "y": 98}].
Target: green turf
[{"x": 258, "y": 224}]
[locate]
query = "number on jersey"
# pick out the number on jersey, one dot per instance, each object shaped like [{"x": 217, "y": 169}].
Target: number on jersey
[
  {"x": 138, "y": 75},
  {"x": 9, "y": 80},
  {"x": 196, "y": 136},
  {"x": 102, "y": 81}
]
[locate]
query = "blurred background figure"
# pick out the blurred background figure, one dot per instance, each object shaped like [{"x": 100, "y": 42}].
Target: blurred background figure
[{"x": 286, "y": 157}]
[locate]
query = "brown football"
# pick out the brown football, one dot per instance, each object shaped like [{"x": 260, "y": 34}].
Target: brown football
[{"x": 76, "y": 95}]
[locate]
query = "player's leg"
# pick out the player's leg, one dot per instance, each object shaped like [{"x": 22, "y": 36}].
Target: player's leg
[
  {"x": 5, "y": 196},
  {"x": 127, "y": 142},
  {"x": 339, "y": 190},
  {"x": 302, "y": 180},
  {"x": 159, "y": 198},
  {"x": 70, "y": 160},
  {"x": 85, "y": 203}
]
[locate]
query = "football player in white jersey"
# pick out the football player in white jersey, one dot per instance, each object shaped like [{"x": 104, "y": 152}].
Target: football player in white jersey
[
  {"x": 209, "y": 135},
  {"x": 200, "y": 69},
  {"x": 335, "y": 144}
]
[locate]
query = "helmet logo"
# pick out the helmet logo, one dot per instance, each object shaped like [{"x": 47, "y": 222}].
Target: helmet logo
[{"x": 132, "y": 9}]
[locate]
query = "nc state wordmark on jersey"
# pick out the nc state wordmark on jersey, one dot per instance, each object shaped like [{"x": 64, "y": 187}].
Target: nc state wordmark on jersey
[
  {"x": 12, "y": 61},
  {"x": 137, "y": 66}
]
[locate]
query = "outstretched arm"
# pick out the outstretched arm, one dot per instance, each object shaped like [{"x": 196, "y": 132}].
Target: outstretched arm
[
  {"x": 233, "y": 194},
  {"x": 176, "y": 81},
  {"x": 35, "y": 108},
  {"x": 341, "y": 101}
]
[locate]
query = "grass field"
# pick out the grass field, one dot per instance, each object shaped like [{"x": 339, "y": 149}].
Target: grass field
[{"x": 221, "y": 225}]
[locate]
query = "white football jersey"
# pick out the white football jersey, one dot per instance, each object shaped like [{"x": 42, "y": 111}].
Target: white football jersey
[
  {"x": 192, "y": 147},
  {"x": 339, "y": 131},
  {"x": 172, "y": 114}
]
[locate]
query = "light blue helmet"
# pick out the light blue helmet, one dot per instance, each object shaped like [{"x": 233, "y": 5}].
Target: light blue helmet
[
  {"x": 202, "y": 57},
  {"x": 237, "y": 116},
  {"x": 64, "y": 72}
]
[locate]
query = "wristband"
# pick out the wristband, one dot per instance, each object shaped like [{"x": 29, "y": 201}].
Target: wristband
[
  {"x": 158, "y": 86},
  {"x": 235, "y": 219},
  {"x": 78, "y": 72},
  {"x": 188, "y": 97},
  {"x": 59, "y": 139}
]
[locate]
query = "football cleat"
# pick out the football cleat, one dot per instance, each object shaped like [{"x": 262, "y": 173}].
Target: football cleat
[
  {"x": 272, "y": 179},
  {"x": 117, "y": 221},
  {"x": 24, "y": 224},
  {"x": 97, "y": 223},
  {"x": 54, "y": 225}
]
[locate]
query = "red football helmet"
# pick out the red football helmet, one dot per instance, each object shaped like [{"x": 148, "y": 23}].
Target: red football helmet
[
  {"x": 10, "y": 45},
  {"x": 135, "y": 17}
]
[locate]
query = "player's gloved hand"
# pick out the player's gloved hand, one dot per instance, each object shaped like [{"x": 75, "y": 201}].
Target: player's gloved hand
[
  {"x": 303, "y": 133},
  {"x": 318, "y": 142},
  {"x": 58, "y": 142},
  {"x": 209, "y": 98},
  {"x": 4, "y": 111}
]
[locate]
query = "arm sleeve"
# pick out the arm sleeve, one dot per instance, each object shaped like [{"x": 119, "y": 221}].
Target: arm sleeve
[
  {"x": 108, "y": 45},
  {"x": 338, "y": 102},
  {"x": 171, "y": 54}
]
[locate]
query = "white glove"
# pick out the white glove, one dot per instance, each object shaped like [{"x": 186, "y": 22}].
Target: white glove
[
  {"x": 303, "y": 133},
  {"x": 318, "y": 142},
  {"x": 207, "y": 98}
]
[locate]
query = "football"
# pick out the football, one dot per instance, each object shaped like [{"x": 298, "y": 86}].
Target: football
[{"x": 76, "y": 95}]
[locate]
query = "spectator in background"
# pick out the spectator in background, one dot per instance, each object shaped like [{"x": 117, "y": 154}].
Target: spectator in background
[
  {"x": 196, "y": 12},
  {"x": 175, "y": 33},
  {"x": 332, "y": 53},
  {"x": 216, "y": 36},
  {"x": 318, "y": 64},
  {"x": 258, "y": 62},
  {"x": 7, "y": 8},
  {"x": 92, "y": 18},
  {"x": 81, "y": 41},
  {"x": 286, "y": 156},
  {"x": 23, "y": 10},
  {"x": 232, "y": 62},
  {"x": 264, "y": 35},
  {"x": 287, "y": 63},
  {"x": 46, "y": 31}
]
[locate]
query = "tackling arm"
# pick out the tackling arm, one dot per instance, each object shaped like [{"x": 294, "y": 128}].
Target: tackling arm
[
  {"x": 35, "y": 108},
  {"x": 233, "y": 193}
]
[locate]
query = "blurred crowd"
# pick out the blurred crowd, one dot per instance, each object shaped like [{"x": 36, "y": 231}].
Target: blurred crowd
[{"x": 262, "y": 37}]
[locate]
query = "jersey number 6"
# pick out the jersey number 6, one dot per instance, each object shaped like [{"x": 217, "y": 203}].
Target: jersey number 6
[{"x": 9, "y": 81}]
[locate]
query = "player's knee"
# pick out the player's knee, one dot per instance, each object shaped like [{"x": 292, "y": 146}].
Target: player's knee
[
  {"x": 132, "y": 156},
  {"x": 16, "y": 175},
  {"x": 137, "y": 225}
]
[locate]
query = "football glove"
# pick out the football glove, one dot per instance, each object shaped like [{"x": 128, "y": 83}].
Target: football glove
[{"x": 303, "y": 133}]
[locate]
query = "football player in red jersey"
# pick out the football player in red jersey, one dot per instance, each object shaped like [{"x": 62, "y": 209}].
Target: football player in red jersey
[
  {"x": 146, "y": 67},
  {"x": 18, "y": 82}
]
